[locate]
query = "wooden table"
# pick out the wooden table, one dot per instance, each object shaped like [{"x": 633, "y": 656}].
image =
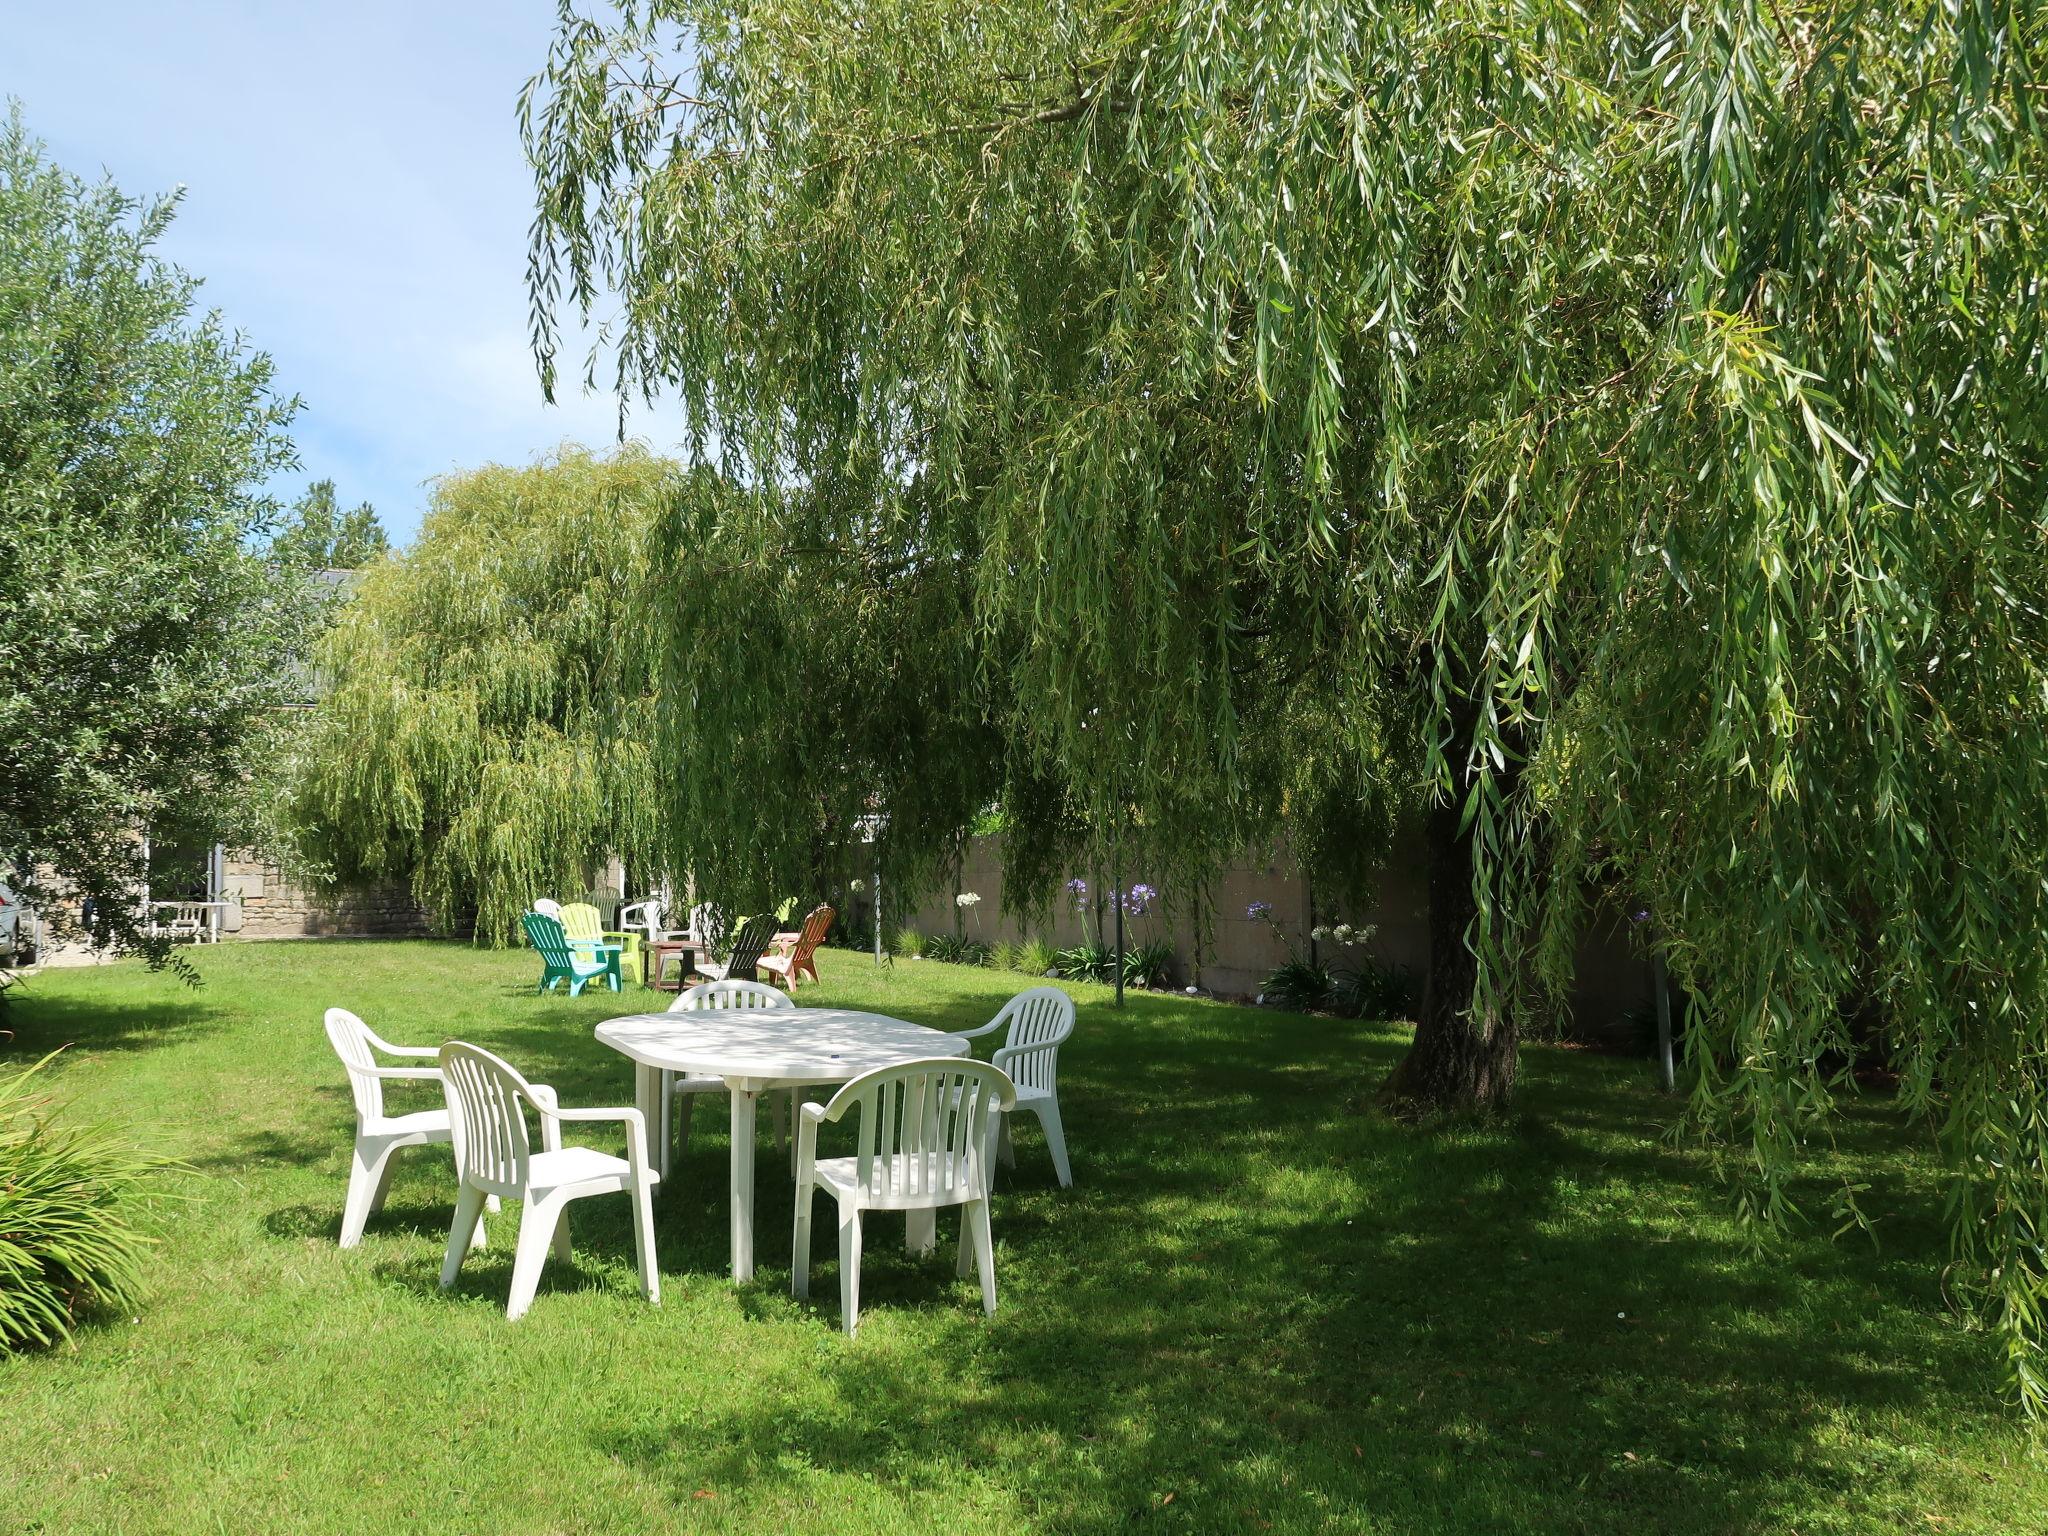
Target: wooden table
[
  {"x": 757, "y": 1050},
  {"x": 658, "y": 955}
]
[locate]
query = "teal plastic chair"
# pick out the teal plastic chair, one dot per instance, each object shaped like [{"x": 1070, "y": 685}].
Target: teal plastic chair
[{"x": 561, "y": 963}]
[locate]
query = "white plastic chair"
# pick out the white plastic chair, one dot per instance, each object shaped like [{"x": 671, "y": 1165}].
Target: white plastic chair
[
  {"x": 676, "y": 1088},
  {"x": 380, "y": 1137},
  {"x": 548, "y": 908},
  {"x": 494, "y": 1156},
  {"x": 927, "y": 1131},
  {"x": 1039, "y": 1022}
]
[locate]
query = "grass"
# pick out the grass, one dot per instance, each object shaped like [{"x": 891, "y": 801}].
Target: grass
[{"x": 1258, "y": 1310}]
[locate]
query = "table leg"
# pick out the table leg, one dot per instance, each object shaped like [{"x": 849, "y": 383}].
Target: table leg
[
  {"x": 647, "y": 1098},
  {"x": 743, "y": 1182}
]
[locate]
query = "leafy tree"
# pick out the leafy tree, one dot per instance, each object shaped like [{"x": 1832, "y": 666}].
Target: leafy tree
[
  {"x": 318, "y": 535},
  {"x": 1622, "y": 423},
  {"x": 143, "y": 636},
  {"x": 486, "y": 723}
]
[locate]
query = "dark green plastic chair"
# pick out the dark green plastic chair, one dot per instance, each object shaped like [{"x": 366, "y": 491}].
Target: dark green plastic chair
[{"x": 559, "y": 962}]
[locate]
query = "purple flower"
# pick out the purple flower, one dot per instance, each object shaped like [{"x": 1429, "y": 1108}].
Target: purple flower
[
  {"x": 1137, "y": 901},
  {"x": 1078, "y": 889},
  {"x": 1640, "y": 915},
  {"x": 1259, "y": 911}
]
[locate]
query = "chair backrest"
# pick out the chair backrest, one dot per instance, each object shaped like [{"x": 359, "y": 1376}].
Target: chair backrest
[
  {"x": 350, "y": 1038},
  {"x": 707, "y": 923},
  {"x": 645, "y": 914},
  {"x": 605, "y": 899},
  {"x": 487, "y": 1118},
  {"x": 548, "y": 908},
  {"x": 581, "y": 921},
  {"x": 813, "y": 934},
  {"x": 731, "y": 994},
  {"x": 1040, "y": 1016},
  {"x": 546, "y": 935},
  {"x": 748, "y": 947},
  {"x": 926, "y": 1128}
]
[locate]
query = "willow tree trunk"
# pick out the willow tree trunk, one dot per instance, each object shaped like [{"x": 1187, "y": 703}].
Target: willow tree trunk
[{"x": 1461, "y": 1061}]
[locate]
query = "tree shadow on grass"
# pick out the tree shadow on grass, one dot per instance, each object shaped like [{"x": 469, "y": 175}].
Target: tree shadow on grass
[
  {"x": 44, "y": 1023},
  {"x": 1521, "y": 1326}
]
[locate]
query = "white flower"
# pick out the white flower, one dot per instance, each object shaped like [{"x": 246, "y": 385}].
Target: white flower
[
  {"x": 860, "y": 885},
  {"x": 1344, "y": 932},
  {"x": 1319, "y": 933},
  {"x": 965, "y": 899}
]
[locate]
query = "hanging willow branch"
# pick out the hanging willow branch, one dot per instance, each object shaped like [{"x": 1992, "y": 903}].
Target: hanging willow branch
[{"x": 1628, "y": 422}]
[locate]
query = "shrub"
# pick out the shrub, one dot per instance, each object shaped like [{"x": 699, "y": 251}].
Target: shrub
[
  {"x": 1299, "y": 984},
  {"x": 1002, "y": 955},
  {"x": 906, "y": 944},
  {"x": 1375, "y": 991},
  {"x": 1034, "y": 957},
  {"x": 1084, "y": 962},
  {"x": 68, "y": 1199},
  {"x": 943, "y": 946},
  {"x": 1149, "y": 965}
]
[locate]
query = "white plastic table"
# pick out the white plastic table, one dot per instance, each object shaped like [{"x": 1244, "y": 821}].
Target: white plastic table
[{"x": 756, "y": 1050}]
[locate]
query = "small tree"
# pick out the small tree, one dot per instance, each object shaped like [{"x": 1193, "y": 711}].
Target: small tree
[
  {"x": 146, "y": 642},
  {"x": 318, "y": 535}
]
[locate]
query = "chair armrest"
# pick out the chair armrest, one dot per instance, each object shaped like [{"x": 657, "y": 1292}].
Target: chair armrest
[
  {"x": 634, "y": 1121},
  {"x": 407, "y": 1074},
  {"x": 1009, "y": 1053},
  {"x": 428, "y": 1052},
  {"x": 975, "y": 1034}
]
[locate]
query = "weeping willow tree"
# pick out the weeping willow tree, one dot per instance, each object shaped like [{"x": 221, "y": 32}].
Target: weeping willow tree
[
  {"x": 487, "y": 723},
  {"x": 1620, "y": 426}
]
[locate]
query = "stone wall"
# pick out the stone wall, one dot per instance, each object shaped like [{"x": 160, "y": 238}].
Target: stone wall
[{"x": 272, "y": 907}]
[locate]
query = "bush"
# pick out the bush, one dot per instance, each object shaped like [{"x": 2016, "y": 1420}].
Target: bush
[
  {"x": 1002, "y": 955},
  {"x": 1149, "y": 965},
  {"x": 1376, "y": 991},
  {"x": 906, "y": 944},
  {"x": 1084, "y": 962},
  {"x": 943, "y": 946},
  {"x": 1034, "y": 957},
  {"x": 1300, "y": 985},
  {"x": 68, "y": 1199}
]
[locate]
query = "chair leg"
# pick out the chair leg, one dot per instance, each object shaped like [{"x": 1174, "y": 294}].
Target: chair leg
[
  {"x": 849, "y": 1268},
  {"x": 963, "y": 1261},
  {"x": 682, "y": 1114},
  {"x": 920, "y": 1231},
  {"x": 800, "y": 1244},
  {"x": 469, "y": 1209},
  {"x": 976, "y": 1219},
  {"x": 537, "y": 1221},
  {"x": 562, "y": 1234},
  {"x": 643, "y": 1240},
  {"x": 1006, "y": 1150},
  {"x": 367, "y": 1169},
  {"x": 1048, "y": 1112},
  {"x": 778, "y": 1119}
]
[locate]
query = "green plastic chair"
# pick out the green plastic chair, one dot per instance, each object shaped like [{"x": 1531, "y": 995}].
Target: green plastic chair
[{"x": 561, "y": 962}]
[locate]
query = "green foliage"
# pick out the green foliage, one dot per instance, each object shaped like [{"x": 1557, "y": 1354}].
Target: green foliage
[
  {"x": 1299, "y": 984},
  {"x": 1149, "y": 964},
  {"x": 1084, "y": 962},
  {"x": 145, "y": 644},
  {"x": 1627, "y": 425},
  {"x": 907, "y": 944},
  {"x": 1034, "y": 957},
  {"x": 1370, "y": 990},
  {"x": 487, "y": 732},
  {"x": 958, "y": 951},
  {"x": 69, "y": 1198},
  {"x": 1002, "y": 955},
  {"x": 318, "y": 535}
]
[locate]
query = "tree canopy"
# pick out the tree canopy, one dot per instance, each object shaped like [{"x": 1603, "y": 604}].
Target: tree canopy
[
  {"x": 144, "y": 634},
  {"x": 1621, "y": 426},
  {"x": 318, "y": 535},
  {"x": 486, "y": 718}
]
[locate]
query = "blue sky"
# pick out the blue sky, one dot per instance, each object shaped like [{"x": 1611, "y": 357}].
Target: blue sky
[{"x": 355, "y": 199}]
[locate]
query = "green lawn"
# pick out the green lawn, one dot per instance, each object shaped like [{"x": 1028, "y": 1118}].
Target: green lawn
[{"x": 1257, "y": 1310}]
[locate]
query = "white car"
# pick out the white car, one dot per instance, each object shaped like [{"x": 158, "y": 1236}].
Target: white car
[{"x": 17, "y": 929}]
